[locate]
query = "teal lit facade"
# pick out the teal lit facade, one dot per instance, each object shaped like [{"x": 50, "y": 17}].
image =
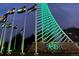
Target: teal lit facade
[{"x": 48, "y": 29}]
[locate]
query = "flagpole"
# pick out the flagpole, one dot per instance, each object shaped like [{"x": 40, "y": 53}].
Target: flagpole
[
  {"x": 15, "y": 41},
  {"x": 36, "y": 53},
  {"x": 3, "y": 38},
  {"x": 2, "y": 41},
  {"x": 22, "y": 46},
  {"x": 23, "y": 36},
  {"x": 10, "y": 39},
  {"x": 3, "y": 33}
]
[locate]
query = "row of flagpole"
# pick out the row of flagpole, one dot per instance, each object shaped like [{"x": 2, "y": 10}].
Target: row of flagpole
[{"x": 4, "y": 21}]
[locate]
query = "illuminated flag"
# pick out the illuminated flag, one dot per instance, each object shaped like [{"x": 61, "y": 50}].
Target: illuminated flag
[
  {"x": 3, "y": 18},
  {"x": 12, "y": 11},
  {"x": 8, "y": 26},
  {"x": 22, "y": 10},
  {"x": 3, "y": 25},
  {"x": 21, "y": 30},
  {"x": 33, "y": 8},
  {"x": 15, "y": 27}
]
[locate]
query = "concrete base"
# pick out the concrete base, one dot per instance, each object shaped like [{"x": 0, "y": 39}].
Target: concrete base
[
  {"x": 22, "y": 53},
  {"x": 36, "y": 54},
  {"x": 1, "y": 52},
  {"x": 9, "y": 53}
]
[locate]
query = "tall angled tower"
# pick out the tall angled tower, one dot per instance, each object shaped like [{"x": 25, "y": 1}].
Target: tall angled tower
[{"x": 48, "y": 29}]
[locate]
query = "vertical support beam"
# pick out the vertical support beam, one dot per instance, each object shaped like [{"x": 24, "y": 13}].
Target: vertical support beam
[
  {"x": 36, "y": 53},
  {"x": 42, "y": 25}
]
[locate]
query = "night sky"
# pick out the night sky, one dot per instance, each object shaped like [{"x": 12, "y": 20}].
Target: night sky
[{"x": 67, "y": 16}]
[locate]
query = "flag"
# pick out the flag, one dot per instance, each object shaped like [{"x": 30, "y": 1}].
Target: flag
[
  {"x": 12, "y": 11},
  {"x": 3, "y": 25},
  {"x": 15, "y": 27},
  {"x": 8, "y": 26},
  {"x": 33, "y": 8},
  {"x": 3, "y": 18},
  {"x": 22, "y": 10},
  {"x": 21, "y": 30}
]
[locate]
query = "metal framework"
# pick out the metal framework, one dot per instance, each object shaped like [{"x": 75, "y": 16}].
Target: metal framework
[{"x": 48, "y": 29}]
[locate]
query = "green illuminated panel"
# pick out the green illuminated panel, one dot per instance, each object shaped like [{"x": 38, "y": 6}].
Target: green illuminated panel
[
  {"x": 48, "y": 26},
  {"x": 54, "y": 46}
]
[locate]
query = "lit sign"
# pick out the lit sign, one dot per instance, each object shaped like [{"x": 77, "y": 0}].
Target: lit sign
[{"x": 53, "y": 46}]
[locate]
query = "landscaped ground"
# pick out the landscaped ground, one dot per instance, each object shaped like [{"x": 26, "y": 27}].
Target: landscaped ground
[{"x": 68, "y": 49}]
